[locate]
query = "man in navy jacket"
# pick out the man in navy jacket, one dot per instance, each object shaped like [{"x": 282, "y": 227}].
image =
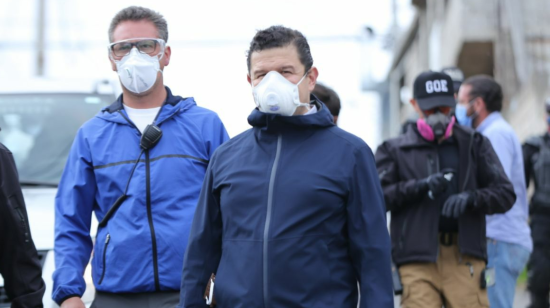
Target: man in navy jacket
[{"x": 291, "y": 213}]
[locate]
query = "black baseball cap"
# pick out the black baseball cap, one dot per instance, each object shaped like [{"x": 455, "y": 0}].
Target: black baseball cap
[
  {"x": 456, "y": 75},
  {"x": 434, "y": 89}
]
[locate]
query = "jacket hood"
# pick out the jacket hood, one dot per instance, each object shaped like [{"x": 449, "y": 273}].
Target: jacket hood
[
  {"x": 171, "y": 105},
  {"x": 269, "y": 122}
]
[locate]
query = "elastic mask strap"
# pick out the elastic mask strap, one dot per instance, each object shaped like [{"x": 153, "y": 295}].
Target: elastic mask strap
[
  {"x": 300, "y": 104},
  {"x": 449, "y": 130},
  {"x": 299, "y": 82}
]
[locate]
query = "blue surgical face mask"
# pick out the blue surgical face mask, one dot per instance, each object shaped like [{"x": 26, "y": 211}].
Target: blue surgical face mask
[{"x": 461, "y": 114}]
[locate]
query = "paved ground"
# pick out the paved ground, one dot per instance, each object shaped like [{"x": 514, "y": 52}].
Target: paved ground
[{"x": 521, "y": 299}]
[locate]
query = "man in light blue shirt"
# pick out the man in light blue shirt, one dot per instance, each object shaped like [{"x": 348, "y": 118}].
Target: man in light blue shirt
[{"x": 509, "y": 241}]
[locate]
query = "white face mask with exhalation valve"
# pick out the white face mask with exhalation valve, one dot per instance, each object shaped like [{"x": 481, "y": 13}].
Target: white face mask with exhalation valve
[
  {"x": 275, "y": 94},
  {"x": 138, "y": 71}
]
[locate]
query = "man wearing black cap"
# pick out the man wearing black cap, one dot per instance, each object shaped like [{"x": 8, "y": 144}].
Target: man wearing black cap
[
  {"x": 536, "y": 156},
  {"x": 439, "y": 181}
]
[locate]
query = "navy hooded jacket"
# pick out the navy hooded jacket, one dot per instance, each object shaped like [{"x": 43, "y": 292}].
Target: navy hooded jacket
[
  {"x": 291, "y": 214},
  {"x": 141, "y": 248}
]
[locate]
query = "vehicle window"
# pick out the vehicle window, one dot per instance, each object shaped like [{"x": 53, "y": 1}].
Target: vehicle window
[{"x": 39, "y": 130}]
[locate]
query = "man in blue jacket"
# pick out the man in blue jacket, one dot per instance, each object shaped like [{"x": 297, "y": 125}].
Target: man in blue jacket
[
  {"x": 139, "y": 165},
  {"x": 291, "y": 213}
]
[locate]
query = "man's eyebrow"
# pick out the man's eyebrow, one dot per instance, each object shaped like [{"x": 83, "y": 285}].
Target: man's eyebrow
[
  {"x": 257, "y": 72},
  {"x": 287, "y": 67}
]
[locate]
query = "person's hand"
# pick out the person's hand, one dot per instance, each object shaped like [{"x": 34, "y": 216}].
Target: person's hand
[
  {"x": 436, "y": 183},
  {"x": 458, "y": 204},
  {"x": 73, "y": 302}
]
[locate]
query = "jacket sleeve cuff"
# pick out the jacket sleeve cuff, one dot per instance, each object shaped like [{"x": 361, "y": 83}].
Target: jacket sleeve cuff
[{"x": 66, "y": 298}]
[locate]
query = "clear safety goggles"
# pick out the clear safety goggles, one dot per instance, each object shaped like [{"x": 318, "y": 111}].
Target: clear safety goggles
[{"x": 150, "y": 46}]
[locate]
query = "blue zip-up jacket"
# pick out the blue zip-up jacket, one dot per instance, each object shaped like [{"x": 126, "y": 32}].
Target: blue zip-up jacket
[
  {"x": 141, "y": 248},
  {"x": 291, "y": 214}
]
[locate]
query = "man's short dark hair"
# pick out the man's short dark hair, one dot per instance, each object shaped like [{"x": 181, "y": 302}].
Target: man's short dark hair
[
  {"x": 279, "y": 36},
  {"x": 488, "y": 89},
  {"x": 137, "y": 13},
  {"x": 329, "y": 97}
]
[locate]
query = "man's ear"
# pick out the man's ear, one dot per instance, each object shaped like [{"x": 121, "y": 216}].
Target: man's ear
[
  {"x": 413, "y": 103},
  {"x": 479, "y": 104},
  {"x": 248, "y": 79},
  {"x": 312, "y": 78},
  {"x": 166, "y": 58}
]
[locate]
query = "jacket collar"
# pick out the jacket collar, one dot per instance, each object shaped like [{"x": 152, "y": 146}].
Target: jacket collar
[
  {"x": 275, "y": 122},
  {"x": 118, "y": 104},
  {"x": 489, "y": 120},
  {"x": 171, "y": 105}
]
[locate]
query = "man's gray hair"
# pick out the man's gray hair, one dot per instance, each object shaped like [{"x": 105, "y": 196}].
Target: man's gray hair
[{"x": 137, "y": 13}]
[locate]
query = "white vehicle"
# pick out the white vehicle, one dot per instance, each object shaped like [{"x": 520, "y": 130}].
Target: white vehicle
[{"x": 39, "y": 120}]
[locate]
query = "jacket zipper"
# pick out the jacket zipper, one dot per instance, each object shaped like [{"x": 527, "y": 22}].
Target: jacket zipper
[
  {"x": 22, "y": 218},
  {"x": 430, "y": 172},
  {"x": 150, "y": 218},
  {"x": 268, "y": 216},
  {"x": 403, "y": 232},
  {"x": 437, "y": 159},
  {"x": 107, "y": 240},
  {"x": 438, "y": 217},
  {"x": 470, "y": 146},
  {"x": 148, "y": 200}
]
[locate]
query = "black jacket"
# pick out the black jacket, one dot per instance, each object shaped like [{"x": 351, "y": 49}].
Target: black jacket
[
  {"x": 402, "y": 161},
  {"x": 532, "y": 153},
  {"x": 19, "y": 263}
]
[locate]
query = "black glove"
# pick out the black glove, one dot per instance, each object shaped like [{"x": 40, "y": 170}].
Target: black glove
[
  {"x": 436, "y": 183},
  {"x": 458, "y": 204}
]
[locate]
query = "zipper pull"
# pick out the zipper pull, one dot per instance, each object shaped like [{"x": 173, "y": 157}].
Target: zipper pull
[
  {"x": 471, "y": 269},
  {"x": 108, "y": 238}
]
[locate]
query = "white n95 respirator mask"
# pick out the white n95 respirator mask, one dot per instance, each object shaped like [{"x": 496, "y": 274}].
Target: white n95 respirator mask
[
  {"x": 138, "y": 71},
  {"x": 275, "y": 94}
]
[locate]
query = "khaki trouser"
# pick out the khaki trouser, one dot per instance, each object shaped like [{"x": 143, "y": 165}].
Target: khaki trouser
[{"x": 454, "y": 281}]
